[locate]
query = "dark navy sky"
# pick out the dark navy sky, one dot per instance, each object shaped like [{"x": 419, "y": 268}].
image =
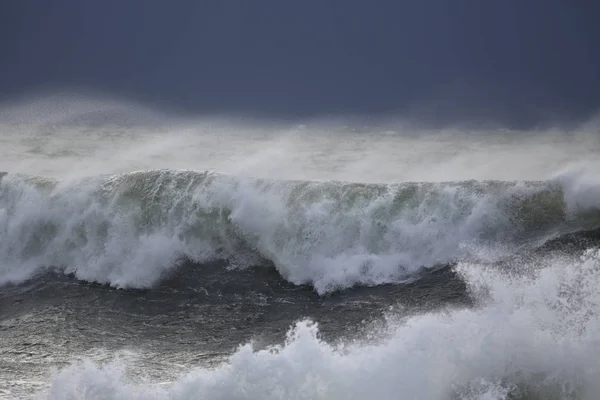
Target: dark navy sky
[{"x": 520, "y": 61}]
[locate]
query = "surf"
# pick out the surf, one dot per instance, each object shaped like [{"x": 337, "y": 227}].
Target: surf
[
  {"x": 530, "y": 335},
  {"x": 130, "y": 230}
]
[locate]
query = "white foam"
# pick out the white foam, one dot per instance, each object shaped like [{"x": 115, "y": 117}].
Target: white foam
[
  {"x": 532, "y": 336},
  {"x": 127, "y": 230},
  {"x": 70, "y": 137}
]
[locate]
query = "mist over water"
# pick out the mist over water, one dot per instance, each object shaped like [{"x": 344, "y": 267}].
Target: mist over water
[
  {"x": 66, "y": 136},
  {"x": 104, "y": 191}
]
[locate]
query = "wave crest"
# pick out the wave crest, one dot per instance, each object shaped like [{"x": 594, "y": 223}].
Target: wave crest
[{"x": 127, "y": 230}]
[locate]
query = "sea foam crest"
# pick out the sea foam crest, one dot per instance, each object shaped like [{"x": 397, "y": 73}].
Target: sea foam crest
[{"x": 129, "y": 230}]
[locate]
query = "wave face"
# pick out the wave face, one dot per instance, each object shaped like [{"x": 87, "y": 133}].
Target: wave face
[{"x": 129, "y": 230}]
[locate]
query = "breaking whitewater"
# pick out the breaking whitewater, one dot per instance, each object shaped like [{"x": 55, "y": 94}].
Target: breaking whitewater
[
  {"x": 233, "y": 283},
  {"x": 520, "y": 247},
  {"x": 130, "y": 230}
]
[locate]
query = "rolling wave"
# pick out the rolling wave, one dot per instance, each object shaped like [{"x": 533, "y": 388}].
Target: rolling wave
[{"x": 128, "y": 230}]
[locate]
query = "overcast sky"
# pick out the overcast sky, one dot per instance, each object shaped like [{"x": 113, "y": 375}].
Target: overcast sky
[{"x": 519, "y": 61}]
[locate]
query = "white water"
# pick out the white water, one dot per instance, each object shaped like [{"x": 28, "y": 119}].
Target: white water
[
  {"x": 537, "y": 333},
  {"x": 321, "y": 242},
  {"x": 534, "y": 336},
  {"x": 128, "y": 230}
]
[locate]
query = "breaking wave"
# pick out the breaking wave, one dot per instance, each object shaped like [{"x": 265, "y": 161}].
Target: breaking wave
[
  {"x": 129, "y": 230},
  {"x": 530, "y": 337}
]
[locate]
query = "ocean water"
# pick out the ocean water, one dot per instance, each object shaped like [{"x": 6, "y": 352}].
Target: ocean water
[{"x": 144, "y": 256}]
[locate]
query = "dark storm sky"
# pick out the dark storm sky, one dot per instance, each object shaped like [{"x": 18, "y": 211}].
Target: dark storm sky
[{"x": 511, "y": 60}]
